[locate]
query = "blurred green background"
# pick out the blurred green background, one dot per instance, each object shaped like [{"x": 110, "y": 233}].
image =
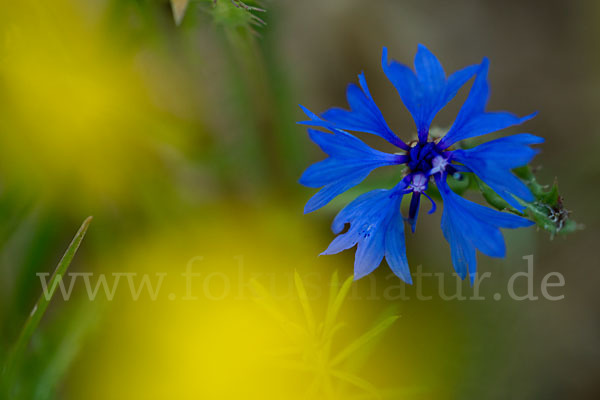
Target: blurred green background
[{"x": 181, "y": 141}]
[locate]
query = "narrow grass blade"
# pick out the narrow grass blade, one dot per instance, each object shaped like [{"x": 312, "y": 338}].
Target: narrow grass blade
[
  {"x": 363, "y": 340},
  {"x": 335, "y": 304},
  {"x": 333, "y": 291},
  {"x": 333, "y": 287},
  {"x": 16, "y": 353},
  {"x": 310, "y": 319},
  {"x": 265, "y": 300},
  {"x": 361, "y": 356},
  {"x": 357, "y": 381},
  {"x": 62, "y": 351}
]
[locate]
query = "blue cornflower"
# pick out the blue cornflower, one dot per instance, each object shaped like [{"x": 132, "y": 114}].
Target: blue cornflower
[{"x": 376, "y": 225}]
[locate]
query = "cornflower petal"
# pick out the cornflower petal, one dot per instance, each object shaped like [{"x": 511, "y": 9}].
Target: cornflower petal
[
  {"x": 473, "y": 120},
  {"x": 376, "y": 226},
  {"x": 427, "y": 91},
  {"x": 468, "y": 226},
  {"x": 350, "y": 161},
  {"x": 494, "y": 160},
  {"x": 363, "y": 116}
]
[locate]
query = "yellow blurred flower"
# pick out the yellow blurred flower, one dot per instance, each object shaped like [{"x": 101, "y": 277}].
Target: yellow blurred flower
[{"x": 77, "y": 122}]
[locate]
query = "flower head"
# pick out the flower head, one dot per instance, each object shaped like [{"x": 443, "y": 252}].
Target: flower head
[{"x": 376, "y": 224}]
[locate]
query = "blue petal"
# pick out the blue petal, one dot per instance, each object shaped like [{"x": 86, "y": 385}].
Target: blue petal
[
  {"x": 521, "y": 138},
  {"x": 350, "y": 162},
  {"x": 335, "y": 188},
  {"x": 456, "y": 81},
  {"x": 406, "y": 83},
  {"x": 342, "y": 242},
  {"x": 427, "y": 91},
  {"x": 313, "y": 117},
  {"x": 494, "y": 217},
  {"x": 377, "y": 227},
  {"x": 365, "y": 212},
  {"x": 315, "y": 120},
  {"x": 478, "y": 95},
  {"x": 494, "y": 160},
  {"x": 472, "y": 120},
  {"x": 481, "y": 125},
  {"x": 413, "y": 212},
  {"x": 344, "y": 145},
  {"x": 356, "y": 208},
  {"x": 510, "y": 151},
  {"x": 395, "y": 248},
  {"x": 430, "y": 72},
  {"x": 369, "y": 255},
  {"x": 461, "y": 250},
  {"x": 364, "y": 115},
  {"x": 333, "y": 169},
  {"x": 467, "y": 225}
]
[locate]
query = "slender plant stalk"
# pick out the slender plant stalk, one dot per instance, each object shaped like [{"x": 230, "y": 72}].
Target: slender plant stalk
[
  {"x": 16, "y": 353},
  {"x": 310, "y": 320},
  {"x": 364, "y": 339}
]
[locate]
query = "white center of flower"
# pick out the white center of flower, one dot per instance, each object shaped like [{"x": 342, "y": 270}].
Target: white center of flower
[
  {"x": 439, "y": 164},
  {"x": 419, "y": 183}
]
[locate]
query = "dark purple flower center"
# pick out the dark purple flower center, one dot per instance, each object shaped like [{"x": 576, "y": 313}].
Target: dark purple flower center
[
  {"x": 424, "y": 160},
  {"x": 421, "y": 157}
]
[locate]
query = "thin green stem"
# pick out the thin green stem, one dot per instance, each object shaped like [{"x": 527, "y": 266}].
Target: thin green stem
[{"x": 16, "y": 353}]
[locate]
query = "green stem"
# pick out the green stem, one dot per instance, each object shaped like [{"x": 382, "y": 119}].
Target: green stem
[{"x": 16, "y": 353}]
